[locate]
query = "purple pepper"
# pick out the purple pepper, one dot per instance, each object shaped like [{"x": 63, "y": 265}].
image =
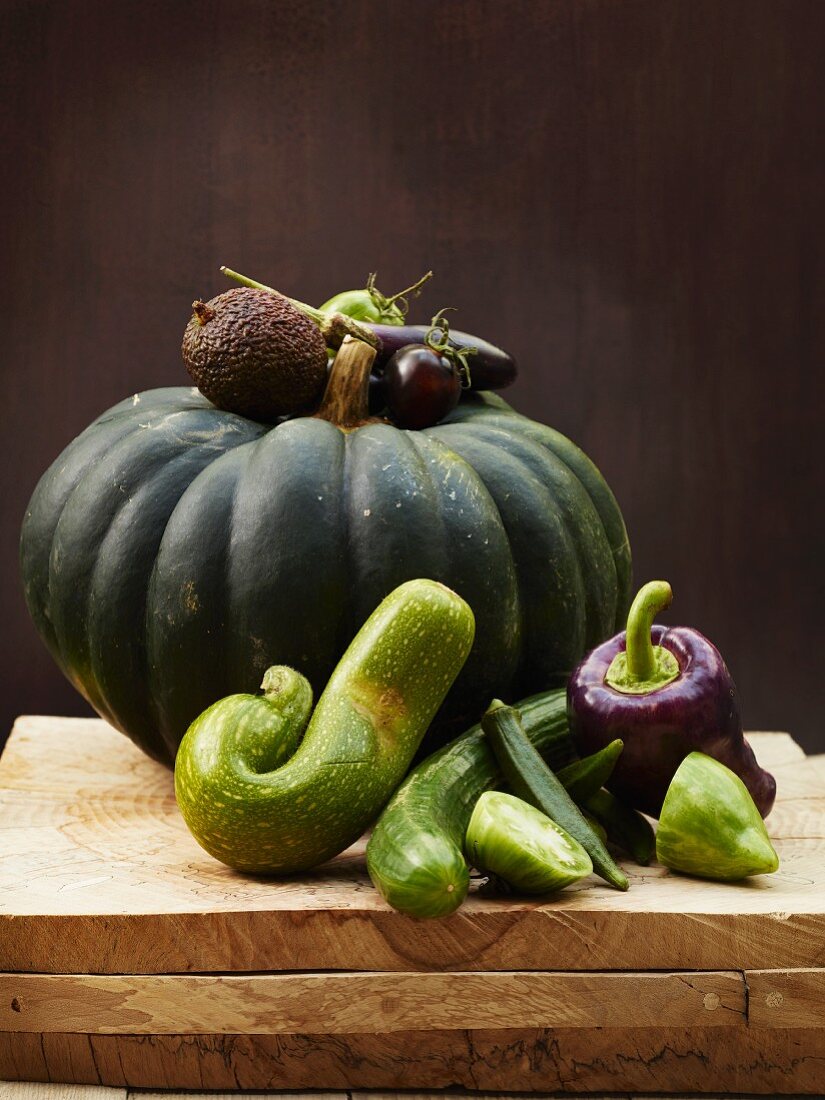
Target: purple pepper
[{"x": 666, "y": 692}]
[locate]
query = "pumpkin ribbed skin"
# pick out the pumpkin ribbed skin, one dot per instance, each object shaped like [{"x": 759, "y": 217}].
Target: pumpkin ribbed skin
[{"x": 173, "y": 552}]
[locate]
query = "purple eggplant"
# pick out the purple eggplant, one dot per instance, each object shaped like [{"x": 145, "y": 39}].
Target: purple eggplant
[
  {"x": 490, "y": 368},
  {"x": 666, "y": 692}
]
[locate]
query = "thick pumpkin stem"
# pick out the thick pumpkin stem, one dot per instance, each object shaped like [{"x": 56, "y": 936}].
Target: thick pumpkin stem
[{"x": 346, "y": 398}]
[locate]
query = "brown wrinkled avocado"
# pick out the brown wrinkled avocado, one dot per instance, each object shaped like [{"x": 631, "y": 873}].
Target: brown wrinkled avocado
[{"x": 253, "y": 353}]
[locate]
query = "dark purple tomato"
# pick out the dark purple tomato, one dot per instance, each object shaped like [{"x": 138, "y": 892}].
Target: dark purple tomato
[{"x": 421, "y": 386}]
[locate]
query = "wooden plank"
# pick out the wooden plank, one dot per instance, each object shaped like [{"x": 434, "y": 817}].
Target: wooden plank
[
  {"x": 25, "y": 1090},
  {"x": 817, "y": 765},
  {"x": 148, "y": 1094},
  {"x": 775, "y": 750},
  {"x": 786, "y": 998},
  {"x": 485, "y": 935},
  {"x": 656, "y": 1060},
  {"x": 342, "y": 1003},
  {"x": 99, "y": 874}
]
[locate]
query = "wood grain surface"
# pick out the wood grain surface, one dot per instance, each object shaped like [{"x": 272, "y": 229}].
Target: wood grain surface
[
  {"x": 346, "y": 1003},
  {"x": 660, "y": 1060},
  {"x": 786, "y": 998},
  {"x": 20, "y": 1090},
  {"x": 98, "y": 874},
  {"x": 24, "y": 1090},
  {"x": 626, "y": 194}
]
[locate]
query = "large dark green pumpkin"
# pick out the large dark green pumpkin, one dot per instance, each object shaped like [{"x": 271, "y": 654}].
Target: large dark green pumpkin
[{"x": 173, "y": 552}]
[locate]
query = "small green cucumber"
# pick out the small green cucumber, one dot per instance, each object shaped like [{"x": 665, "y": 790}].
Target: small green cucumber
[
  {"x": 258, "y": 801},
  {"x": 518, "y": 843},
  {"x": 415, "y": 855},
  {"x": 530, "y": 778}
]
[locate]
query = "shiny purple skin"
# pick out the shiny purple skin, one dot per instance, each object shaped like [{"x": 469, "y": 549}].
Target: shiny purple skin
[
  {"x": 490, "y": 367},
  {"x": 696, "y": 712},
  {"x": 422, "y": 387}
]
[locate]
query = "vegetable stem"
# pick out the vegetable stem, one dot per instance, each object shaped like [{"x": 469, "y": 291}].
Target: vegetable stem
[
  {"x": 642, "y": 667},
  {"x": 399, "y": 299},
  {"x": 202, "y": 312},
  {"x": 346, "y": 399},
  {"x": 653, "y": 597},
  {"x": 334, "y": 326}
]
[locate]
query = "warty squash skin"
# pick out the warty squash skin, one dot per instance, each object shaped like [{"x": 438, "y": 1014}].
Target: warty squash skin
[
  {"x": 173, "y": 552},
  {"x": 257, "y": 805}
]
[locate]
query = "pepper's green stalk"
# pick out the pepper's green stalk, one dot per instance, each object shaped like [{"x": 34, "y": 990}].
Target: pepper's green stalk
[
  {"x": 644, "y": 667},
  {"x": 334, "y": 326}
]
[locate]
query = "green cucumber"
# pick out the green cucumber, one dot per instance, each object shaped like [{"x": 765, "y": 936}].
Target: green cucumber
[
  {"x": 415, "y": 855},
  {"x": 514, "y": 841},
  {"x": 625, "y": 827},
  {"x": 257, "y": 803},
  {"x": 585, "y": 777},
  {"x": 530, "y": 778}
]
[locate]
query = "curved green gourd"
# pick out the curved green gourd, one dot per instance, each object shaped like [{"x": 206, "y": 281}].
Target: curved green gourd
[
  {"x": 169, "y": 526},
  {"x": 260, "y": 801}
]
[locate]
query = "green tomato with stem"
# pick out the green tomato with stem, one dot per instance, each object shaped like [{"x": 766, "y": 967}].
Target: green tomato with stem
[{"x": 369, "y": 304}]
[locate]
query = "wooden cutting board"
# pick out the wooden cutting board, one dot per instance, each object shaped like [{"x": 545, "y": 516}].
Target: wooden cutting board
[{"x": 130, "y": 957}]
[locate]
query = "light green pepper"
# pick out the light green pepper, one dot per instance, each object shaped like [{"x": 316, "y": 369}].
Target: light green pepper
[{"x": 709, "y": 825}]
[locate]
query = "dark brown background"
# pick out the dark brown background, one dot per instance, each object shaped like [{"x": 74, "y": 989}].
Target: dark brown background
[{"x": 626, "y": 193}]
